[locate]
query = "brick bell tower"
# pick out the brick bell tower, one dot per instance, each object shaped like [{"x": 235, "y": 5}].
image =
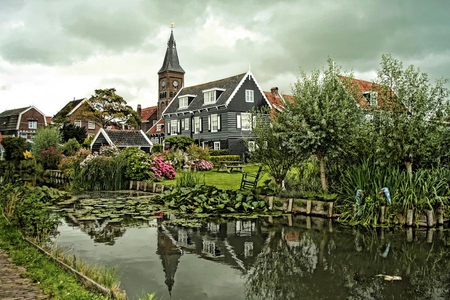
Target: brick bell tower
[{"x": 170, "y": 76}]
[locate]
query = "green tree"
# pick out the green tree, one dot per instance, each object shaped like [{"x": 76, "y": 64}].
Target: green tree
[
  {"x": 412, "y": 112},
  {"x": 47, "y": 147},
  {"x": 268, "y": 147},
  {"x": 69, "y": 131},
  {"x": 108, "y": 108},
  {"x": 14, "y": 148},
  {"x": 323, "y": 118}
]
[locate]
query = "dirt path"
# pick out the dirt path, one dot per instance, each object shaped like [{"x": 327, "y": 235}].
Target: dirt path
[{"x": 12, "y": 283}]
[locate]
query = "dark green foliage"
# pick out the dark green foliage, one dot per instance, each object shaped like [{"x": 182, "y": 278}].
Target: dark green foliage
[
  {"x": 71, "y": 147},
  {"x": 26, "y": 208},
  {"x": 211, "y": 200},
  {"x": 138, "y": 164},
  {"x": 50, "y": 158},
  {"x": 216, "y": 159},
  {"x": 219, "y": 152},
  {"x": 157, "y": 148},
  {"x": 14, "y": 148},
  {"x": 179, "y": 142},
  {"x": 71, "y": 131}
]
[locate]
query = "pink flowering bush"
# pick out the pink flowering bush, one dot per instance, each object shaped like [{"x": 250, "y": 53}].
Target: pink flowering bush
[
  {"x": 203, "y": 165},
  {"x": 162, "y": 168}
]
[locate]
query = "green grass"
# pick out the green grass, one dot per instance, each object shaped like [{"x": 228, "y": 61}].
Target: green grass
[
  {"x": 53, "y": 280},
  {"x": 225, "y": 180}
]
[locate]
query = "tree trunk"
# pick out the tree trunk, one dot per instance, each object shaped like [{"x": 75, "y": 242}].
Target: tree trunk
[
  {"x": 323, "y": 179},
  {"x": 408, "y": 165}
]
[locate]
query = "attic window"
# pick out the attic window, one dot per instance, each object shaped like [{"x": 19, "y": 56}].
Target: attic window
[
  {"x": 158, "y": 127},
  {"x": 32, "y": 124},
  {"x": 184, "y": 102},
  {"x": 212, "y": 95},
  {"x": 372, "y": 98},
  {"x": 249, "y": 96}
]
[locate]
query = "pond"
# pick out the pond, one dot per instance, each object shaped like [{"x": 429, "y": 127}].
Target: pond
[{"x": 286, "y": 257}]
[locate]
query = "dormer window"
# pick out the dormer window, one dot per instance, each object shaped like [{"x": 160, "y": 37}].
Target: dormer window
[
  {"x": 212, "y": 95},
  {"x": 32, "y": 124},
  {"x": 184, "y": 102},
  {"x": 372, "y": 98}
]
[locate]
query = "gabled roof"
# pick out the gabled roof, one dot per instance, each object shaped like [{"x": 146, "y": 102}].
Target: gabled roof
[
  {"x": 228, "y": 87},
  {"x": 124, "y": 138},
  {"x": 69, "y": 108},
  {"x": 147, "y": 112},
  {"x": 10, "y": 119},
  {"x": 154, "y": 128},
  {"x": 171, "y": 62}
]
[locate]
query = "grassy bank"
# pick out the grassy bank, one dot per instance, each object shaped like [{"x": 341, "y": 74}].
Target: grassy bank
[{"x": 52, "y": 279}]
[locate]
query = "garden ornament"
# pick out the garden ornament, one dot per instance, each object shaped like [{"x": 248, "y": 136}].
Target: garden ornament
[
  {"x": 359, "y": 195},
  {"x": 385, "y": 190}
]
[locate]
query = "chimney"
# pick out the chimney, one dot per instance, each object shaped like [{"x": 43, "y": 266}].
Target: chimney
[
  {"x": 274, "y": 91},
  {"x": 139, "y": 110}
]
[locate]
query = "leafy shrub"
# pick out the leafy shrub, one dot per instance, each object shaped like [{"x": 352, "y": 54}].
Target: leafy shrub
[
  {"x": 157, "y": 148},
  {"x": 179, "y": 142},
  {"x": 203, "y": 165},
  {"x": 162, "y": 169},
  {"x": 71, "y": 147},
  {"x": 197, "y": 152},
  {"x": 138, "y": 164},
  {"x": 216, "y": 159},
  {"x": 14, "y": 148},
  {"x": 219, "y": 152},
  {"x": 109, "y": 151},
  {"x": 50, "y": 158}
]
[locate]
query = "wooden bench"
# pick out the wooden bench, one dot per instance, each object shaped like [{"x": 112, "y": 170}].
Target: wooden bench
[{"x": 229, "y": 166}]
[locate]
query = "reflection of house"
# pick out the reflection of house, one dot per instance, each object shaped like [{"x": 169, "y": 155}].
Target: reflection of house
[
  {"x": 21, "y": 122},
  {"x": 121, "y": 139},
  {"x": 73, "y": 113}
]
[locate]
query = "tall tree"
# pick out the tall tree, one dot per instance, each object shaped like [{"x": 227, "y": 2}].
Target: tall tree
[
  {"x": 70, "y": 131},
  {"x": 268, "y": 147},
  {"x": 323, "y": 117},
  {"x": 14, "y": 148},
  {"x": 413, "y": 111},
  {"x": 108, "y": 108}
]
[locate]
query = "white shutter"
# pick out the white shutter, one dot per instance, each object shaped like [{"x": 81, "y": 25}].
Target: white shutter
[
  {"x": 193, "y": 124},
  {"x": 201, "y": 124},
  {"x": 209, "y": 123},
  {"x": 238, "y": 121},
  {"x": 178, "y": 126},
  {"x": 218, "y": 122},
  {"x": 168, "y": 127}
]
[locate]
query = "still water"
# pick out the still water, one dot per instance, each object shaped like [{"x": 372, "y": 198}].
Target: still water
[{"x": 267, "y": 258}]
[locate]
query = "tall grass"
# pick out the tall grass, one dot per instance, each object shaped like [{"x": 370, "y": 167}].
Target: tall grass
[
  {"x": 189, "y": 179},
  {"x": 427, "y": 189}
]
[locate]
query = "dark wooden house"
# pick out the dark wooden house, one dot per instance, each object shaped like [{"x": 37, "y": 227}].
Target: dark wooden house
[
  {"x": 217, "y": 113},
  {"x": 121, "y": 139}
]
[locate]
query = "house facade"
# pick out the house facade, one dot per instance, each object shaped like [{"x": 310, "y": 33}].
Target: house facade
[
  {"x": 73, "y": 113},
  {"x": 22, "y": 122},
  {"x": 216, "y": 114}
]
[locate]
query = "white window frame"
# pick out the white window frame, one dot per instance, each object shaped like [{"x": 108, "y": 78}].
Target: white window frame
[
  {"x": 183, "y": 102},
  {"x": 216, "y": 146},
  {"x": 91, "y": 124},
  {"x": 371, "y": 97},
  {"x": 158, "y": 127},
  {"x": 32, "y": 124},
  {"x": 77, "y": 123},
  {"x": 249, "y": 96},
  {"x": 246, "y": 121},
  {"x": 197, "y": 124},
  {"x": 214, "y": 122},
  {"x": 209, "y": 96},
  {"x": 186, "y": 123},
  {"x": 174, "y": 127},
  {"x": 251, "y": 146}
]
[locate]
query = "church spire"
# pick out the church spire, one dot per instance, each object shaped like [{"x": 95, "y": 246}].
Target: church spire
[{"x": 171, "y": 62}]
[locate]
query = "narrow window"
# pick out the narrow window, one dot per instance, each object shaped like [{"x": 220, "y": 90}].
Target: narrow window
[
  {"x": 249, "y": 96},
  {"x": 77, "y": 123},
  {"x": 91, "y": 125}
]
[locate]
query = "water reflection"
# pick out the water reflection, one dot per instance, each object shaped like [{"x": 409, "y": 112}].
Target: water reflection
[{"x": 284, "y": 258}]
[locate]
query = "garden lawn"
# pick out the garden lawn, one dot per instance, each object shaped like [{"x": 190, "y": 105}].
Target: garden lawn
[{"x": 225, "y": 180}]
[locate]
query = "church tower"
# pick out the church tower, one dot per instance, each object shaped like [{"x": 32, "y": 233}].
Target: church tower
[{"x": 170, "y": 76}]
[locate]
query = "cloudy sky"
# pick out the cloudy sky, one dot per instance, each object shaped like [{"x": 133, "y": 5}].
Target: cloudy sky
[{"x": 52, "y": 51}]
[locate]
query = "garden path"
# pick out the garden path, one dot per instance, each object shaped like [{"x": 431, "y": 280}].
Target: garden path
[{"x": 12, "y": 283}]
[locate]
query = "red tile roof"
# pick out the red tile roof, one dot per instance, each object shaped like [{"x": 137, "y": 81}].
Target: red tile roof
[
  {"x": 153, "y": 129},
  {"x": 147, "y": 112},
  {"x": 363, "y": 86}
]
